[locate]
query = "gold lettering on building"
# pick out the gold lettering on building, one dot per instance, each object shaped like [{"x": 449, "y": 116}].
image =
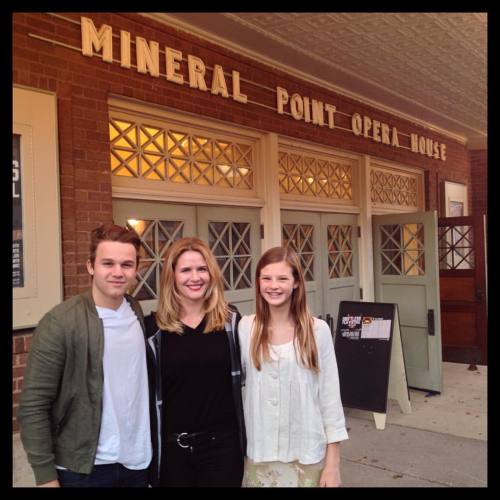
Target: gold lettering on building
[{"x": 301, "y": 108}]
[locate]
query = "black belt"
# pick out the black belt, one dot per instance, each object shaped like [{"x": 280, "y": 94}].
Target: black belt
[{"x": 190, "y": 439}]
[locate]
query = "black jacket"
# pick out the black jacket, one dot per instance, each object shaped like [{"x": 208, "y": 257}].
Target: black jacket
[{"x": 153, "y": 350}]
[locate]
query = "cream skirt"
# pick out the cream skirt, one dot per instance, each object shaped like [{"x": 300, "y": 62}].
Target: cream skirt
[{"x": 280, "y": 474}]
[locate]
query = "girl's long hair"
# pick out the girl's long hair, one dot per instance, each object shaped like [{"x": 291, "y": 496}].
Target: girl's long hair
[
  {"x": 170, "y": 301},
  {"x": 304, "y": 343}
]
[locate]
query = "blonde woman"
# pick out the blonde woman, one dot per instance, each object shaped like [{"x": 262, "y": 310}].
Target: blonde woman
[
  {"x": 293, "y": 413},
  {"x": 197, "y": 422}
]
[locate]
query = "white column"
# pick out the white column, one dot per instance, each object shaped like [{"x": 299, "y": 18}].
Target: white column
[
  {"x": 366, "y": 240},
  {"x": 269, "y": 190}
]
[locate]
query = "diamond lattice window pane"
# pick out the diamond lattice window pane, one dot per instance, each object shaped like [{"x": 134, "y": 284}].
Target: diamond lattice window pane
[
  {"x": 242, "y": 270},
  {"x": 315, "y": 177},
  {"x": 399, "y": 189},
  {"x": 300, "y": 238},
  {"x": 155, "y": 235},
  {"x": 402, "y": 249},
  {"x": 391, "y": 262},
  {"x": 159, "y": 154},
  {"x": 147, "y": 286},
  {"x": 456, "y": 247},
  {"x": 339, "y": 240},
  {"x": 230, "y": 243}
]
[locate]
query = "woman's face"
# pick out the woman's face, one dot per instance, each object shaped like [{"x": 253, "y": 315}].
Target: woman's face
[
  {"x": 276, "y": 284},
  {"x": 191, "y": 276}
]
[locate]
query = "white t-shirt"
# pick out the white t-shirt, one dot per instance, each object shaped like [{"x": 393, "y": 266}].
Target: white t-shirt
[
  {"x": 125, "y": 435},
  {"x": 291, "y": 412}
]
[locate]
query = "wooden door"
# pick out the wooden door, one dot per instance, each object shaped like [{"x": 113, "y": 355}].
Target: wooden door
[
  {"x": 462, "y": 276},
  {"x": 406, "y": 273}
]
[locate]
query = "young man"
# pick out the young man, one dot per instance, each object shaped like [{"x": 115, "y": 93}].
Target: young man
[{"x": 84, "y": 409}]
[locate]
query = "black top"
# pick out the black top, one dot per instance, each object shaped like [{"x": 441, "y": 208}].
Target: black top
[{"x": 196, "y": 381}]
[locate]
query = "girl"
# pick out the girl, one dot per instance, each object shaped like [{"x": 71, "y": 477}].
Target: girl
[
  {"x": 293, "y": 412},
  {"x": 197, "y": 422}
]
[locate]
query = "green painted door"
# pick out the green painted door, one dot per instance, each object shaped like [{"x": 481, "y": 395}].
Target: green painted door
[
  {"x": 302, "y": 232},
  {"x": 158, "y": 225},
  {"x": 339, "y": 252},
  {"x": 231, "y": 233},
  {"x": 327, "y": 245},
  {"x": 406, "y": 272}
]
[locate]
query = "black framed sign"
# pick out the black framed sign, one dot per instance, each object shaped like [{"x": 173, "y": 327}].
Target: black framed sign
[{"x": 363, "y": 349}]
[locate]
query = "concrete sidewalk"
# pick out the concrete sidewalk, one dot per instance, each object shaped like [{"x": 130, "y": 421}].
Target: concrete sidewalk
[
  {"x": 402, "y": 457},
  {"x": 443, "y": 442}
]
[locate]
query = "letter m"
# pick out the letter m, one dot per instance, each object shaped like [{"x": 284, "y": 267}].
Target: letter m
[{"x": 93, "y": 39}]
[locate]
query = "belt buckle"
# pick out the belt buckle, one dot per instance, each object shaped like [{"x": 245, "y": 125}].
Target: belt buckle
[{"x": 182, "y": 434}]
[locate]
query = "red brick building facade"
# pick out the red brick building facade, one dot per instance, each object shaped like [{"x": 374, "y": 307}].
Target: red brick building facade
[{"x": 83, "y": 85}]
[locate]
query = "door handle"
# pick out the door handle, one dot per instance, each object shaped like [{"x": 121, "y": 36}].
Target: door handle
[
  {"x": 479, "y": 295},
  {"x": 430, "y": 321},
  {"x": 329, "y": 322}
]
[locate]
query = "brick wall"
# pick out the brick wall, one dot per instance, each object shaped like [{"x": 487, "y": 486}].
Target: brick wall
[
  {"x": 20, "y": 347},
  {"x": 83, "y": 84},
  {"x": 479, "y": 181}
]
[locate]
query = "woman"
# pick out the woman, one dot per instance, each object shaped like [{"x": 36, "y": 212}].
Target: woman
[
  {"x": 293, "y": 412},
  {"x": 197, "y": 424}
]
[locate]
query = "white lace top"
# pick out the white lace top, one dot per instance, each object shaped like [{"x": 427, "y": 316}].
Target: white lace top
[{"x": 291, "y": 413}]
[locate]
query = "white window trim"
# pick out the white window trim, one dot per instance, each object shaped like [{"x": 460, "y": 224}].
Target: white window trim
[{"x": 35, "y": 118}]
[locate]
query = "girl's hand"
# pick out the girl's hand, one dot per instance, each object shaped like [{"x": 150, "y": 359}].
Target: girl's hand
[{"x": 330, "y": 478}]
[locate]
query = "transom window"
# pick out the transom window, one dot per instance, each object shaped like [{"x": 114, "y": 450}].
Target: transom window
[
  {"x": 174, "y": 155},
  {"x": 394, "y": 189},
  {"x": 309, "y": 176}
]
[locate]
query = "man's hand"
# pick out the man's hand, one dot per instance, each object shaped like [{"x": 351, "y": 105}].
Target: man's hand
[{"x": 50, "y": 484}]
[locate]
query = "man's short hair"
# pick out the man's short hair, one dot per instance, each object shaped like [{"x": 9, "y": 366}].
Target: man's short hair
[{"x": 112, "y": 232}]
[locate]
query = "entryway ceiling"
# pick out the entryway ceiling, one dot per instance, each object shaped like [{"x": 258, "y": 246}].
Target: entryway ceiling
[{"x": 430, "y": 67}]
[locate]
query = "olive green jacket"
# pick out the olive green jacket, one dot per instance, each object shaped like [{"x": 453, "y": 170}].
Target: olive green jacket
[{"x": 61, "y": 403}]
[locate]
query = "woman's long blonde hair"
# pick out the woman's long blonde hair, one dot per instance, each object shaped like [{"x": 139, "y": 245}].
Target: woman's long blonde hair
[
  {"x": 305, "y": 345},
  {"x": 170, "y": 302}
]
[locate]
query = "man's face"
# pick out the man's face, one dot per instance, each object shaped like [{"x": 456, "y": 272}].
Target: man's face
[{"x": 114, "y": 272}]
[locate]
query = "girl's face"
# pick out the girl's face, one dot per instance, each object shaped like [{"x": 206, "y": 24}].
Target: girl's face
[
  {"x": 191, "y": 276},
  {"x": 276, "y": 284}
]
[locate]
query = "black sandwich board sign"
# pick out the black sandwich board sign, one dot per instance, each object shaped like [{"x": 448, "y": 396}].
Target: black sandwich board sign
[{"x": 363, "y": 346}]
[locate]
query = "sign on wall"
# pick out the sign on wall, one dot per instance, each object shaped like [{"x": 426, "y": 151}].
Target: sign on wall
[{"x": 17, "y": 215}]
